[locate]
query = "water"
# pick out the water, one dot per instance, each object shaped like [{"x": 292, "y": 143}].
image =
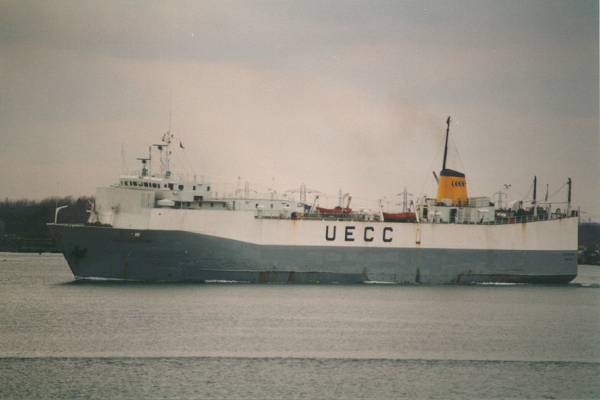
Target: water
[{"x": 60, "y": 339}]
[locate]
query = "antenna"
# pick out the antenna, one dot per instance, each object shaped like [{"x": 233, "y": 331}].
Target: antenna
[{"x": 446, "y": 145}]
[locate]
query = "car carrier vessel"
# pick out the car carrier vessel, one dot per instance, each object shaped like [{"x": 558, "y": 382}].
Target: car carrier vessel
[{"x": 155, "y": 226}]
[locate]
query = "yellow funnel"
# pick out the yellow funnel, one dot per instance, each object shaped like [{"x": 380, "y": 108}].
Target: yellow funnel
[{"x": 452, "y": 185}]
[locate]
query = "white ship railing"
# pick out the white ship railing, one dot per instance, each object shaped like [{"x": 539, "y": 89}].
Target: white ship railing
[{"x": 522, "y": 219}]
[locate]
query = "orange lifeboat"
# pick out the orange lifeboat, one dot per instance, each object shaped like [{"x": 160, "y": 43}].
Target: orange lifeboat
[{"x": 334, "y": 211}]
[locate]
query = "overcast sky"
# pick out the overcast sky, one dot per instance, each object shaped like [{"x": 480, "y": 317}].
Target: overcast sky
[{"x": 336, "y": 94}]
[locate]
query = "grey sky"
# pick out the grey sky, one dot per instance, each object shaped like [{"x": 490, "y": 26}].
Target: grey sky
[{"x": 349, "y": 94}]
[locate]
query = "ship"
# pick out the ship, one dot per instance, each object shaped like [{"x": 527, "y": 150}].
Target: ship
[{"x": 155, "y": 226}]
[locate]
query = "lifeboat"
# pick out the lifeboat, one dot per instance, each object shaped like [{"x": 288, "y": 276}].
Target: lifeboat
[
  {"x": 334, "y": 211},
  {"x": 400, "y": 217}
]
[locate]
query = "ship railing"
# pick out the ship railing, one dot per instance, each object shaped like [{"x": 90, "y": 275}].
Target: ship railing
[
  {"x": 322, "y": 217},
  {"x": 522, "y": 219}
]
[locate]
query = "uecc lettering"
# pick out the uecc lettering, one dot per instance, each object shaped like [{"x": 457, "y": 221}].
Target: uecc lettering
[{"x": 350, "y": 233}]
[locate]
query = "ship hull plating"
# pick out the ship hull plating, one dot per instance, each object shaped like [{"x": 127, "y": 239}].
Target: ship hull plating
[{"x": 177, "y": 256}]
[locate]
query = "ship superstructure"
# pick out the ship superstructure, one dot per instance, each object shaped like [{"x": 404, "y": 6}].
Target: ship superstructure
[{"x": 156, "y": 226}]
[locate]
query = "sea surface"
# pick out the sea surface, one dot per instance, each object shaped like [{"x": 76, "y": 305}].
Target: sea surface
[{"x": 65, "y": 339}]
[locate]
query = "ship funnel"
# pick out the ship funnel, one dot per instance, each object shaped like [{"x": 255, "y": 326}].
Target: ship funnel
[{"x": 452, "y": 185}]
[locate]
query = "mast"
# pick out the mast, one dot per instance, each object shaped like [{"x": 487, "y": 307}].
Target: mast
[
  {"x": 534, "y": 202},
  {"x": 569, "y": 183},
  {"x": 446, "y": 145},
  {"x": 166, "y": 139},
  {"x": 146, "y": 163}
]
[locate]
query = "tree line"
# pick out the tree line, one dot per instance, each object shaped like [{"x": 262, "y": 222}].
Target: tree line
[{"x": 23, "y": 221}]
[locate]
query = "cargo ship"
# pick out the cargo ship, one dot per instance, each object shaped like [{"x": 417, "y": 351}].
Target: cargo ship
[{"x": 154, "y": 226}]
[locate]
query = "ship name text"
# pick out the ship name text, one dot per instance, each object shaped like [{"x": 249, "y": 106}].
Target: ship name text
[{"x": 350, "y": 233}]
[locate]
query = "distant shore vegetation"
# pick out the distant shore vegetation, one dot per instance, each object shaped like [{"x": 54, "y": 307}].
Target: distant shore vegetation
[{"x": 23, "y": 221}]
